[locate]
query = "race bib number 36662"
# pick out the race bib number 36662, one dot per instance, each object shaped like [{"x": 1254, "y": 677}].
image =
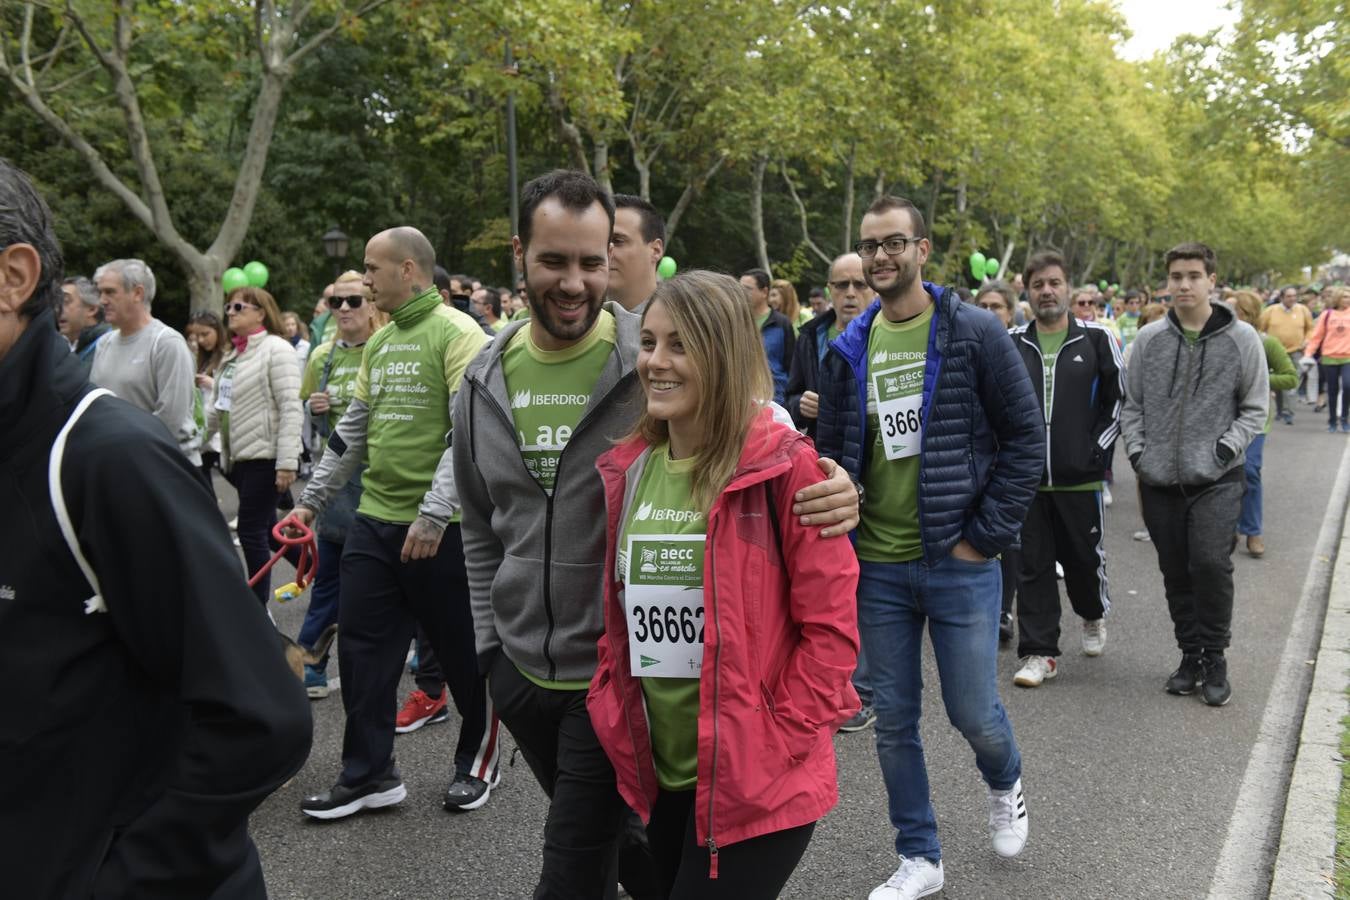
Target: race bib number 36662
[
  {"x": 663, "y": 601},
  {"x": 899, "y": 394}
]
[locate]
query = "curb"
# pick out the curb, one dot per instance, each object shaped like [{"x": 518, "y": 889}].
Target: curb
[
  {"x": 1266, "y": 814},
  {"x": 1306, "y": 862}
]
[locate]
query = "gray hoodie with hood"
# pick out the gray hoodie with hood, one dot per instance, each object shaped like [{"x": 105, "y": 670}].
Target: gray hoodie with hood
[
  {"x": 534, "y": 560},
  {"x": 1192, "y": 409}
]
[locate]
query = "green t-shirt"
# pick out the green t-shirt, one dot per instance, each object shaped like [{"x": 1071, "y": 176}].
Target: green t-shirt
[
  {"x": 896, "y": 354},
  {"x": 498, "y": 325},
  {"x": 1050, "y": 343},
  {"x": 662, "y": 508},
  {"x": 1191, "y": 335},
  {"x": 549, "y": 391},
  {"x": 341, "y": 377},
  {"x": 760, "y": 320},
  {"x": 410, "y": 371},
  {"x": 1128, "y": 323}
]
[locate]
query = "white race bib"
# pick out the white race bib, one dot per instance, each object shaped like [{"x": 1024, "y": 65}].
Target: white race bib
[
  {"x": 225, "y": 387},
  {"x": 899, "y": 394},
  {"x": 663, "y": 603}
]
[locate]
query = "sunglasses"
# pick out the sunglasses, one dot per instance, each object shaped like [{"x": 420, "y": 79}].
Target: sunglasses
[
  {"x": 238, "y": 307},
  {"x": 1084, "y": 303},
  {"x": 353, "y": 301},
  {"x": 845, "y": 284}
]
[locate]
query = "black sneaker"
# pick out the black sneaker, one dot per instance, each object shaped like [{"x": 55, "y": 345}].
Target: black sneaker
[
  {"x": 340, "y": 800},
  {"x": 1005, "y": 628},
  {"x": 1216, "y": 690},
  {"x": 860, "y": 719},
  {"x": 466, "y": 792},
  {"x": 1188, "y": 676}
]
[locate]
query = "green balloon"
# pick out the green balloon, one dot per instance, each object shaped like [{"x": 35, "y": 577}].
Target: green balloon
[
  {"x": 991, "y": 267},
  {"x": 977, "y": 262},
  {"x": 666, "y": 267},
  {"x": 1115, "y": 287},
  {"x": 233, "y": 280},
  {"x": 1102, "y": 284},
  {"x": 256, "y": 273}
]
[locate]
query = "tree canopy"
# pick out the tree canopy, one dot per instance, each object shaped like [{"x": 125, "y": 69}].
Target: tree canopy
[{"x": 202, "y": 135}]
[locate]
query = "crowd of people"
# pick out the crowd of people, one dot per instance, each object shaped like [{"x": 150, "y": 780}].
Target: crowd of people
[{"x": 671, "y": 534}]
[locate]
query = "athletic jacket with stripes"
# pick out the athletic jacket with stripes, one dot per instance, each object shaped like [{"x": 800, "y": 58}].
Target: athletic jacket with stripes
[
  {"x": 145, "y": 710},
  {"x": 1082, "y": 417}
]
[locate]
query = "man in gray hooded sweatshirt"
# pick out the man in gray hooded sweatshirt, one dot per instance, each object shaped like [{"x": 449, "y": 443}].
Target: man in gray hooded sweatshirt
[{"x": 1197, "y": 391}]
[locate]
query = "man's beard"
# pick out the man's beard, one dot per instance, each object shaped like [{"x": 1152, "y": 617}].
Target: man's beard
[
  {"x": 541, "y": 311},
  {"x": 1050, "y": 314},
  {"x": 906, "y": 274}
]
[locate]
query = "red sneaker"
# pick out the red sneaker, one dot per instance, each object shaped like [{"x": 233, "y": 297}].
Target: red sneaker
[{"x": 419, "y": 710}]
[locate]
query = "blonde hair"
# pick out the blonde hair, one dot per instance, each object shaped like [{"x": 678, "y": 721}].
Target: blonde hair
[
  {"x": 1248, "y": 307},
  {"x": 788, "y": 306},
  {"x": 378, "y": 317},
  {"x": 1151, "y": 313},
  {"x": 1337, "y": 301},
  {"x": 711, "y": 316}
]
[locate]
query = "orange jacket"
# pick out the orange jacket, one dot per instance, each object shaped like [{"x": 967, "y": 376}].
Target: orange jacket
[{"x": 1331, "y": 335}]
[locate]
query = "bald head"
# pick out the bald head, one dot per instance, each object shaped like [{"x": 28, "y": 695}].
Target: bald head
[
  {"x": 400, "y": 263},
  {"x": 406, "y": 242}
]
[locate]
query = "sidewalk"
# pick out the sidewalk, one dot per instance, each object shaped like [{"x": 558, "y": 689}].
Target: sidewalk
[{"x": 1306, "y": 861}]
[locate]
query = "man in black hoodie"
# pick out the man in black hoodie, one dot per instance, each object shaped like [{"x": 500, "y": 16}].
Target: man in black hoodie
[{"x": 147, "y": 706}]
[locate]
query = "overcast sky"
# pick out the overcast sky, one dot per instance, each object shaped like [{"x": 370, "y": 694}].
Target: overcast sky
[{"x": 1156, "y": 23}]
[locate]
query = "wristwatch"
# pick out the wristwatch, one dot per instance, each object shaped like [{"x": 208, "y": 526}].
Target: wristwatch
[{"x": 857, "y": 486}]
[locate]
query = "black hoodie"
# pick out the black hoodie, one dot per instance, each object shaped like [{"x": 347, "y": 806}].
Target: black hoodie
[{"x": 136, "y": 740}]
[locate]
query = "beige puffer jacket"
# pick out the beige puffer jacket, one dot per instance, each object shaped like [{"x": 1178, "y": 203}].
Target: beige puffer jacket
[{"x": 264, "y": 403}]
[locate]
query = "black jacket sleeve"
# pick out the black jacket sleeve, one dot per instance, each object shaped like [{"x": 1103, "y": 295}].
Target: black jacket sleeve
[
  {"x": 176, "y": 596},
  {"x": 803, "y": 363},
  {"x": 1110, "y": 390}
]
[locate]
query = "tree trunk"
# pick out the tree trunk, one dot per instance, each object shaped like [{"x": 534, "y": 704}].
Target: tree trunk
[
  {"x": 801, "y": 211},
  {"x": 602, "y": 165},
  {"x": 691, "y": 192},
  {"x": 848, "y": 199},
  {"x": 644, "y": 174},
  {"x": 757, "y": 210}
]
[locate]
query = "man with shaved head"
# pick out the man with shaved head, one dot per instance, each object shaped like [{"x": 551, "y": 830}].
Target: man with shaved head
[{"x": 403, "y": 562}]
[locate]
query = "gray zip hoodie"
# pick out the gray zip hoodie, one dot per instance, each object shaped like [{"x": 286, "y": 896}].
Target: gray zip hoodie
[
  {"x": 536, "y": 562},
  {"x": 1183, "y": 401}
]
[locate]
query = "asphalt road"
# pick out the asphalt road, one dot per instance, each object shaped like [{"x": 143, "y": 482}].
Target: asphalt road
[{"x": 1129, "y": 790}]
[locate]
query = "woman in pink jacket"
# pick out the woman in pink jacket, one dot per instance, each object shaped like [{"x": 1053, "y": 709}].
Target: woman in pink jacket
[
  {"x": 730, "y": 628},
  {"x": 1331, "y": 338}
]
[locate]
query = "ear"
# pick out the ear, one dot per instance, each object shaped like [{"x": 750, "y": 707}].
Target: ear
[
  {"x": 658, "y": 250},
  {"x": 925, "y": 248},
  {"x": 20, "y": 272},
  {"x": 518, "y": 250}
]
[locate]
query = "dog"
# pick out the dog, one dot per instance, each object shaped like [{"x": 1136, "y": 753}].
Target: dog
[{"x": 297, "y": 656}]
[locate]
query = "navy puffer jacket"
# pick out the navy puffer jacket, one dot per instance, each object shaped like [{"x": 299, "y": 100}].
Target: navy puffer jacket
[{"x": 983, "y": 433}]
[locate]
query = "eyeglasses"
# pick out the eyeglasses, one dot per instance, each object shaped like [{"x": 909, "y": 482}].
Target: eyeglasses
[
  {"x": 353, "y": 301},
  {"x": 992, "y": 304},
  {"x": 238, "y": 307},
  {"x": 847, "y": 283},
  {"x": 893, "y": 245},
  {"x": 1083, "y": 303}
]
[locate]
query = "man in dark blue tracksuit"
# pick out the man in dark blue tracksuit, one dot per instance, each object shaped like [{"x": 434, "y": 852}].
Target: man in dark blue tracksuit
[{"x": 924, "y": 400}]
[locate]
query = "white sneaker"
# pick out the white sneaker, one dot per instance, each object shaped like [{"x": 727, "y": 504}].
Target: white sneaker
[
  {"x": 1008, "y": 820},
  {"x": 1094, "y": 637},
  {"x": 1106, "y": 494},
  {"x": 915, "y": 878},
  {"x": 1059, "y": 572},
  {"x": 1036, "y": 669},
  {"x": 1141, "y": 535}
]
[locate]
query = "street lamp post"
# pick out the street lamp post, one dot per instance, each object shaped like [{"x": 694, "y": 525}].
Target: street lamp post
[
  {"x": 512, "y": 69},
  {"x": 335, "y": 248}
]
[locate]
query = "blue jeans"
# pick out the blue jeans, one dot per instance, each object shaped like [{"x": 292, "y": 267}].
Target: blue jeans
[
  {"x": 323, "y": 597},
  {"x": 960, "y": 601},
  {"x": 1249, "y": 522}
]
